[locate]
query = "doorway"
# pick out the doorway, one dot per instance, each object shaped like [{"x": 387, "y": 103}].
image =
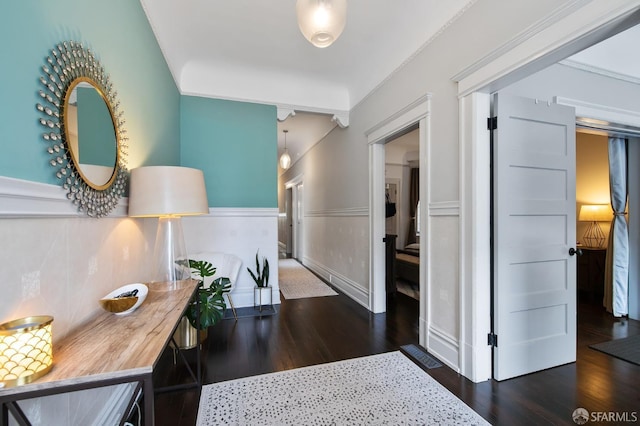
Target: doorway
[
  {"x": 597, "y": 22},
  {"x": 402, "y": 167},
  {"x": 415, "y": 116},
  {"x": 295, "y": 217}
]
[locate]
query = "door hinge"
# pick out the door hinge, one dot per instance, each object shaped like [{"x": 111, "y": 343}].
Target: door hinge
[
  {"x": 492, "y": 339},
  {"x": 492, "y": 123}
]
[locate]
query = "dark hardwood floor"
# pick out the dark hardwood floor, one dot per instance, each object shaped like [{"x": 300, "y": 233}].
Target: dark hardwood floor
[{"x": 327, "y": 329}]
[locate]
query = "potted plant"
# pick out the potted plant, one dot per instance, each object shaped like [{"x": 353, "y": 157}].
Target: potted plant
[
  {"x": 211, "y": 306},
  {"x": 261, "y": 278}
]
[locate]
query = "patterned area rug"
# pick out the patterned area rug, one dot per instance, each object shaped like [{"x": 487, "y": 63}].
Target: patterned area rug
[
  {"x": 386, "y": 389},
  {"x": 297, "y": 282}
]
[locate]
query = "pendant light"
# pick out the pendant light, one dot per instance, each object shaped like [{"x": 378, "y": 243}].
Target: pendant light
[
  {"x": 285, "y": 159},
  {"x": 321, "y": 21}
]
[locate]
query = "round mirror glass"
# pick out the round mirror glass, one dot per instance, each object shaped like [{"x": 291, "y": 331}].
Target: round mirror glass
[{"x": 90, "y": 133}]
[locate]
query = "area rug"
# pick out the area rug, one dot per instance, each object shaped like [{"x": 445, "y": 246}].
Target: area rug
[
  {"x": 627, "y": 349},
  {"x": 297, "y": 282},
  {"x": 385, "y": 389}
]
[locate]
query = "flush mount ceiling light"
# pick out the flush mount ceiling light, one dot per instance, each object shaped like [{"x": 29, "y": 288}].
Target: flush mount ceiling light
[
  {"x": 285, "y": 159},
  {"x": 321, "y": 21}
]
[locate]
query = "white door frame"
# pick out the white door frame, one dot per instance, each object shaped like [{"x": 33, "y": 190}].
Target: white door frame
[
  {"x": 416, "y": 112},
  {"x": 564, "y": 33},
  {"x": 297, "y": 216}
]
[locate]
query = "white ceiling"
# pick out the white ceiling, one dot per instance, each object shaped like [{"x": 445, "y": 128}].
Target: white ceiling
[{"x": 252, "y": 50}]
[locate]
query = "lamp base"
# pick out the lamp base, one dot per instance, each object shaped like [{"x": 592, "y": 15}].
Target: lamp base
[
  {"x": 170, "y": 259},
  {"x": 594, "y": 236}
]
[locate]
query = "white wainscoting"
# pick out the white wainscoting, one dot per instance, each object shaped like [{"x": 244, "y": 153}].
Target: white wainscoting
[
  {"x": 340, "y": 238},
  {"x": 243, "y": 232}
]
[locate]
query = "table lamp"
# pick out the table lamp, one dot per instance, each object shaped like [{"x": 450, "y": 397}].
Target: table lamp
[
  {"x": 594, "y": 213},
  {"x": 168, "y": 192},
  {"x": 26, "y": 350}
]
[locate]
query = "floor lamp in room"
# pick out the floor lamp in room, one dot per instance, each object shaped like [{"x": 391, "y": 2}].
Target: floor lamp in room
[
  {"x": 594, "y": 235},
  {"x": 168, "y": 193}
]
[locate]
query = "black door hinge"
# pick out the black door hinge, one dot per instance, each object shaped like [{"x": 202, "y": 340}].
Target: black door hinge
[
  {"x": 492, "y": 123},
  {"x": 492, "y": 340}
]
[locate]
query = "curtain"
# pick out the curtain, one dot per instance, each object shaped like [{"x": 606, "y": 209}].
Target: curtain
[
  {"x": 414, "y": 196},
  {"x": 617, "y": 264}
]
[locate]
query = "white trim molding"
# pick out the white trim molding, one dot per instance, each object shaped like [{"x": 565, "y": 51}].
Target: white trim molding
[
  {"x": 351, "y": 211},
  {"x": 349, "y": 287},
  {"x": 600, "y": 71},
  {"x": 24, "y": 198},
  {"x": 600, "y": 112},
  {"x": 444, "y": 208},
  {"x": 410, "y": 114},
  {"x": 570, "y": 28},
  {"x": 243, "y": 212}
]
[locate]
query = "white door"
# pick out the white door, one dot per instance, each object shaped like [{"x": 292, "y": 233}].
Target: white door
[
  {"x": 534, "y": 293},
  {"x": 298, "y": 222}
]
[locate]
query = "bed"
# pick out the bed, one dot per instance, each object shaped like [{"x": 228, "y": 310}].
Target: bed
[{"x": 408, "y": 263}]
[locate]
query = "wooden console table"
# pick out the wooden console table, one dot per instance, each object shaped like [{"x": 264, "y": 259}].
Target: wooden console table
[{"x": 109, "y": 349}]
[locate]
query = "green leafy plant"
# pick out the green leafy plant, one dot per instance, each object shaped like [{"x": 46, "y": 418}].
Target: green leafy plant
[
  {"x": 261, "y": 277},
  {"x": 212, "y": 304}
]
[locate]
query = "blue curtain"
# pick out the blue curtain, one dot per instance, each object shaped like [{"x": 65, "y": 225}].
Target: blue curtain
[{"x": 617, "y": 265}]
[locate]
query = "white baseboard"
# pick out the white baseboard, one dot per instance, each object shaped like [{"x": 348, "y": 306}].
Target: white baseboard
[
  {"x": 342, "y": 283},
  {"x": 444, "y": 347}
]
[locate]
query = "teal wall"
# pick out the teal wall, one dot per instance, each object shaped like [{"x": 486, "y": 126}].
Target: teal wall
[
  {"x": 95, "y": 129},
  {"x": 119, "y": 34},
  {"x": 235, "y": 144}
]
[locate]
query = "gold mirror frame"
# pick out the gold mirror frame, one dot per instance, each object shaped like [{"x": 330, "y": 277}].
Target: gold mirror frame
[{"x": 69, "y": 63}]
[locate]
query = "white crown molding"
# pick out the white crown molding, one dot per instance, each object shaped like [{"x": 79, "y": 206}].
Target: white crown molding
[
  {"x": 22, "y": 198},
  {"x": 284, "y": 112},
  {"x": 342, "y": 119},
  {"x": 600, "y": 71}
]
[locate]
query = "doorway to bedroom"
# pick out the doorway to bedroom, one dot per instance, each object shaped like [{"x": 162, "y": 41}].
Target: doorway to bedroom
[{"x": 402, "y": 235}]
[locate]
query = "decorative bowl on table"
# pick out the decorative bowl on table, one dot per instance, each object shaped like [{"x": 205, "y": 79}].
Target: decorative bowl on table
[{"x": 125, "y": 299}]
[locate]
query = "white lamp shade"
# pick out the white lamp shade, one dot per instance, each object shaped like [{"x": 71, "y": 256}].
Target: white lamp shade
[
  {"x": 321, "y": 21},
  {"x": 157, "y": 191},
  {"x": 595, "y": 213}
]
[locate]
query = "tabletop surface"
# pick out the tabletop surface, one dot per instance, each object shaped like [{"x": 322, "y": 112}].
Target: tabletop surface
[{"x": 109, "y": 346}]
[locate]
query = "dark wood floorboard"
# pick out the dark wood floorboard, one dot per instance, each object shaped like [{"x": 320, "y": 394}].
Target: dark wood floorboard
[{"x": 326, "y": 329}]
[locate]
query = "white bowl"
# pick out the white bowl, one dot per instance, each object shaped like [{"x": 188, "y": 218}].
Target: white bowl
[{"x": 141, "y": 295}]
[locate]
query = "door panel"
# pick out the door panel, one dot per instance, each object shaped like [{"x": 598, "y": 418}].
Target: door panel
[{"x": 534, "y": 295}]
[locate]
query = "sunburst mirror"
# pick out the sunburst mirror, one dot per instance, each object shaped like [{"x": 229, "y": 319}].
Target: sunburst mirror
[{"x": 84, "y": 128}]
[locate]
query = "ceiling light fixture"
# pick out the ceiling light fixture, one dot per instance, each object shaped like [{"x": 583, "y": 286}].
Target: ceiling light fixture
[
  {"x": 321, "y": 21},
  {"x": 285, "y": 159}
]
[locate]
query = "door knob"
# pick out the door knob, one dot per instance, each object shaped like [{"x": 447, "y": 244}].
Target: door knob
[{"x": 573, "y": 251}]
